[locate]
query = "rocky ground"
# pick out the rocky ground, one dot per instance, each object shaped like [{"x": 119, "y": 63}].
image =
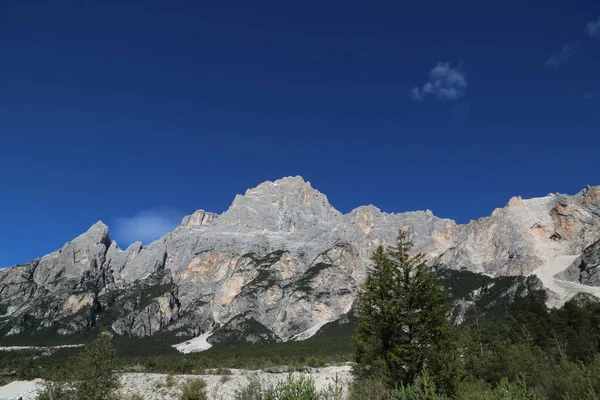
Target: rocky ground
[
  {"x": 25, "y": 389},
  {"x": 552, "y": 275},
  {"x": 168, "y": 387}
]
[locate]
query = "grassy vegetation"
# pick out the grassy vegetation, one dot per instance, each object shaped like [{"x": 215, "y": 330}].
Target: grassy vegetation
[
  {"x": 156, "y": 355},
  {"x": 47, "y": 337},
  {"x": 314, "y": 352},
  {"x": 194, "y": 390},
  {"x": 243, "y": 329}
]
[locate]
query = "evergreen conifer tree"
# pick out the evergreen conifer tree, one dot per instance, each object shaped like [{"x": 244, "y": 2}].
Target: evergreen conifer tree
[{"x": 401, "y": 312}]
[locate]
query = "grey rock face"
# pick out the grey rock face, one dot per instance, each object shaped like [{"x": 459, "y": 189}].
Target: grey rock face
[
  {"x": 585, "y": 269},
  {"x": 281, "y": 260},
  {"x": 526, "y": 234}
]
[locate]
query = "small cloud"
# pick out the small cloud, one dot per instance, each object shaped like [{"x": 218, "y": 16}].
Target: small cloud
[
  {"x": 445, "y": 83},
  {"x": 593, "y": 28},
  {"x": 587, "y": 96},
  {"x": 560, "y": 58},
  {"x": 147, "y": 225},
  {"x": 416, "y": 94}
]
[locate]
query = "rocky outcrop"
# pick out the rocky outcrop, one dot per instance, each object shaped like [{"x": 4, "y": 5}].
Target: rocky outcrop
[
  {"x": 281, "y": 260},
  {"x": 526, "y": 234},
  {"x": 586, "y": 268}
]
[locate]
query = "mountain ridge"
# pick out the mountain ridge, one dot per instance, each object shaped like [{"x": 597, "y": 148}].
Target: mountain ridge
[
  {"x": 207, "y": 217},
  {"x": 280, "y": 259}
]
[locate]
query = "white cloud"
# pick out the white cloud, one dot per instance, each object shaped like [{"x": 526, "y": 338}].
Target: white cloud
[
  {"x": 560, "y": 58},
  {"x": 146, "y": 226},
  {"x": 445, "y": 83},
  {"x": 593, "y": 28}
]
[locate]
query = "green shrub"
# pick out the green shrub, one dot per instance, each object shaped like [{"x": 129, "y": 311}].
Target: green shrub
[
  {"x": 422, "y": 389},
  {"x": 515, "y": 391},
  {"x": 55, "y": 391},
  {"x": 472, "y": 389},
  {"x": 302, "y": 388},
  {"x": 252, "y": 391},
  {"x": 505, "y": 390},
  {"x": 223, "y": 371},
  {"x": 194, "y": 389},
  {"x": 315, "y": 362},
  {"x": 370, "y": 389},
  {"x": 333, "y": 391},
  {"x": 169, "y": 381}
]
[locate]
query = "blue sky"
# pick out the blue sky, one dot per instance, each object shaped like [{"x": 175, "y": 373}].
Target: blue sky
[{"x": 145, "y": 111}]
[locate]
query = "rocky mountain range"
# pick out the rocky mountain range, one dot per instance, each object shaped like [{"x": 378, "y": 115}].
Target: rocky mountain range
[{"x": 281, "y": 263}]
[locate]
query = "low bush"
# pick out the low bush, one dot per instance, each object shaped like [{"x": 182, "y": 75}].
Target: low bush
[
  {"x": 169, "y": 381},
  {"x": 194, "y": 389},
  {"x": 253, "y": 391},
  {"x": 293, "y": 388},
  {"x": 302, "y": 388}
]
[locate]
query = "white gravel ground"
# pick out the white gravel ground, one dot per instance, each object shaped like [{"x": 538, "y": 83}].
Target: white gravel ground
[
  {"x": 219, "y": 387},
  {"x": 16, "y": 389},
  {"x": 566, "y": 290},
  {"x": 19, "y": 348}
]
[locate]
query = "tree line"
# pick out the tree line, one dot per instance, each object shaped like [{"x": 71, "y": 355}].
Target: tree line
[{"x": 405, "y": 347}]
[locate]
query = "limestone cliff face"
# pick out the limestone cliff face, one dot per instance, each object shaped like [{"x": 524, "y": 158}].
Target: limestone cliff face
[
  {"x": 526, "y": 234},
  {"x": 280, "y": 260}
]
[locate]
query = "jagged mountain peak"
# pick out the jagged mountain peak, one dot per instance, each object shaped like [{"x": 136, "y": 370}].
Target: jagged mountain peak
[
  {"x": 97, "y": 233},
  {"x": 99, "y": 225},
  {"x": 287, "y": 183},
  {"x": 286, "y": 205},
  {"x": 291, "y": 186}
]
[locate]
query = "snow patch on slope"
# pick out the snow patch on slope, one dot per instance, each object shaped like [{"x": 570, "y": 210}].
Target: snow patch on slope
[
  {"x": 310, "y": 332},
  {"x": 195, "y": 345}
]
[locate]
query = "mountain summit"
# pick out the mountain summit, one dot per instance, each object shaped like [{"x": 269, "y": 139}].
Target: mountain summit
[
  {"x": 286, "y": 205},
  {"x": 281, "y": 262}
]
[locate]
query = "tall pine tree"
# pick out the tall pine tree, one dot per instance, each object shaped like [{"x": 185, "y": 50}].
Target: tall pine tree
[{"x": 401, "y": 312}]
